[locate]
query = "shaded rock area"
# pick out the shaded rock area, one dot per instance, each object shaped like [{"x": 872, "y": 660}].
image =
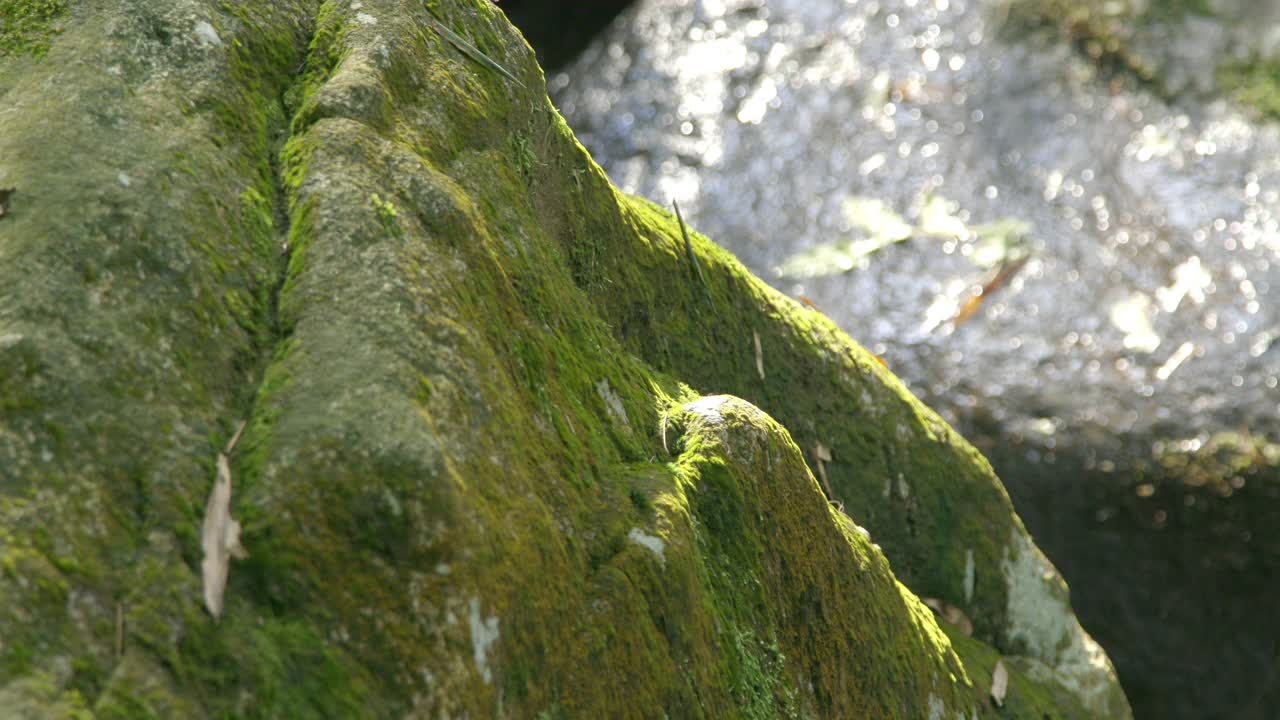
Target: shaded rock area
[
  {"x": 498, "y": 439},
  {"x": 1189, "y": 535},
  {"x": 561, "y": 29},
  {"x": 1057, "y": 221}
]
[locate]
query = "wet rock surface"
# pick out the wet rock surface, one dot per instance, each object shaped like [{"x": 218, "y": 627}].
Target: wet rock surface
[{"x": 892, "y": 160}]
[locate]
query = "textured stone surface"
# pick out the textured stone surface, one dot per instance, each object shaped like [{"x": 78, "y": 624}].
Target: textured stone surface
[{"x": 486, "y": 469}]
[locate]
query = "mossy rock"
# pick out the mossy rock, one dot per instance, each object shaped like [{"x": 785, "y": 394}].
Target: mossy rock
[
  {"x": 488, "y": 467},
  {"x": 1154, "y": 43}
]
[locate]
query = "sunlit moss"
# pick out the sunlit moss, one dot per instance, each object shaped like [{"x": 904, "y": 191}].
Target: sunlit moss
[
  {"x": 28, "y": 26},
  {"x": 440, "y": 502},
  {"x": 1255, "y": 84}
]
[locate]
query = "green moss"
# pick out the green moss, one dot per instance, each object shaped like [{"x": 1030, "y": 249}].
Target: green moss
[
  {"x": 284, "y": 666},
  {"x": 761, "y": 688},
  {"x": 39, "y": 695},
  {"x": 386, "y": 212},
  {"x": 1254, "y": 84},
  {"x": 326, "y": 50},
  {"x": 1178, "y": 8},
  {"x": 711, "y": 345},
  {"x": 28, "y": 26},
  {"x": 1030, "y": 693},
  {"x": 467, "y": 484},
  {"x": 522, "y": 152},
  {"x": 44, "y": 589}
]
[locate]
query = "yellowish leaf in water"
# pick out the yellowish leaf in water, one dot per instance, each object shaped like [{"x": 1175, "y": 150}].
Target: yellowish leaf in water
[
  {"x": 879, "y": 224},
  {"x": 937, "y": 219},
  {"x": 876, "y": 218}
]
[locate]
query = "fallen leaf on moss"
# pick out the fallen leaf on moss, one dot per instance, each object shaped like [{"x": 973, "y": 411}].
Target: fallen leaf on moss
[
  {"x": 220, "y": 539},
  {"x": 950, "y": 614},
  {"x": 822, "y": 456},
  {"x": 999, "y": 683}
]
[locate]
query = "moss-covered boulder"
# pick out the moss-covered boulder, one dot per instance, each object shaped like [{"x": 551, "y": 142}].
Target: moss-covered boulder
[{"x": 486, "y": 467}]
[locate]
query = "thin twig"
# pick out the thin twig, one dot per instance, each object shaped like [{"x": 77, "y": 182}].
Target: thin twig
[
  {"x": 470, "y": 50},
  {"x": 119, "y": 630},
  {"x": 231, "y": 444},
  {"x": 688, "y": 248},
  {"x": 1006, "y": 272}
]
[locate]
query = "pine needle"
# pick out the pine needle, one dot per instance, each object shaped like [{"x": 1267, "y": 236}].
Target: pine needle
[
  {"x": 470, "y": 50},
  {"x": 688, "y": 248}
]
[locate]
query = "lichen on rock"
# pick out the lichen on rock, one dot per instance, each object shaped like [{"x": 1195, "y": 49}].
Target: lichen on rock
[{"x": 485, "y": 469}]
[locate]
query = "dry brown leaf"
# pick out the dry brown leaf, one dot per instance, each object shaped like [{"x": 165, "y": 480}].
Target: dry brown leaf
[
  {"x": 755, "y": 336},
  {"x": 220, "y": 539},
  {"x": 950, "y": 614},
  {"x": 999, "y": 683},
  {"x": 969, "y": 308},
  {"x": 822, "y": 456}
]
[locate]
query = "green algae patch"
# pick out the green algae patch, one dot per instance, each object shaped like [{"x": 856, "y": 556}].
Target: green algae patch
[
  {"x": 1254, "y": 84},
  {"x": 802, "y": 577},
  {"x": 27, "y": 26},
  {"x": 487, "y": 469}
]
